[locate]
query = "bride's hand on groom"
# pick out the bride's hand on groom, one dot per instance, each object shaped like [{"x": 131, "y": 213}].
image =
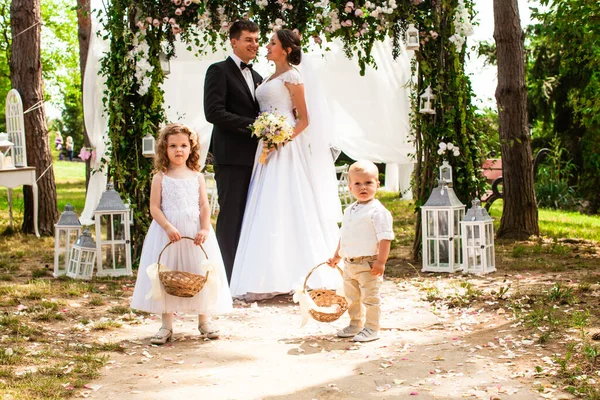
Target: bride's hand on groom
[
  {"x": 201, "y": 237},
  {"x": 173, "y": 234}
]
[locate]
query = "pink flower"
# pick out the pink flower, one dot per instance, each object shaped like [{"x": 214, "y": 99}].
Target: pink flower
[
  {"x": 84, "y": 154},
  {"x": 178, "y": 11},
  {"x": 176, "y": 29},
  {"x": 140, "y": 25},
  {"x": 177, "y": 2},
  {"x": 433, "y": 34},
  {"x": 359, "y": 13},
  {"x": 182, "y": 8},
  {"x": 156, "y": 22},
  {"x": 165, "y": 19},
  {"x": 187, "y": 2},
  {"x": 149, "y": 20},
  {"x": 172, "y": 21}
]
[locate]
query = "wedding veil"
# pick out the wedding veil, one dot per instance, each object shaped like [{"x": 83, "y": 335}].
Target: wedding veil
[{"x": 320, "y": 138}]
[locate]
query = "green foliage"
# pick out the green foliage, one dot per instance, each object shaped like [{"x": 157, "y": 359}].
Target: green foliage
[
  {"x": 563, "y": 85},
  {"x": 552, "y": 184},
  {"x": 486, "y": 124}
]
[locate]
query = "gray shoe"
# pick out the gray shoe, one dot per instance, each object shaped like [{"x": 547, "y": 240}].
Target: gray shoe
[
  {"x": 208, "y": 331},
  {"x": 162, "y": 336},
  {"x": 366, "y": 335},
  {"x": 349, "y": 331}
]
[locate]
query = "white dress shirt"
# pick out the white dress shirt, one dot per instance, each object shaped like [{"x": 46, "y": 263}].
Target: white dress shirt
[{"x": 246, "y": 73}]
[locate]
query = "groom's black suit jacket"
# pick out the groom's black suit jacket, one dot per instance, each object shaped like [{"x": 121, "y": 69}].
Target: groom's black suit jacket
[{"x": 229, "y": 106}]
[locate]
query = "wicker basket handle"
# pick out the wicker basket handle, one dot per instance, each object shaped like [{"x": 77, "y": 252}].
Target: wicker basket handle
[
  {"x": 183, "y": 237},
  {"x": 314, "y": 268}
]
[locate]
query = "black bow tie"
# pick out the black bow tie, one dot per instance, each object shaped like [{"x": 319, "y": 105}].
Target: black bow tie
[{"x": 243, "y": 65}]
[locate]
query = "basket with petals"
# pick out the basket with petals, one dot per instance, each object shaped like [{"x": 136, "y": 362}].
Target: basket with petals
[
  {"x": 325, "y": 298},
  {"x": 181, "y": 283}
]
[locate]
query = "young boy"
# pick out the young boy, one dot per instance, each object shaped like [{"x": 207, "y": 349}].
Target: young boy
[{"x": 365, "y": 240}]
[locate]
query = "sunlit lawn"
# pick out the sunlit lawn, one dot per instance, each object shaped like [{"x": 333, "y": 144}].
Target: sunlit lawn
[
  {"x": 560, "y": 224},
  {"x": 70, "y": 188}
]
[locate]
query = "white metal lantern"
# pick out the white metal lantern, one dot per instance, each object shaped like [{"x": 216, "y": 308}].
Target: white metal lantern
[
  {"x": 426, "y": 104},
  {"x": 148, "y": 144},
  {"x": 6, "y": 152},
  {"x": 412, "y": 38},
  {"x": 165, "y": 64},
  {"x": 112, "y": 235},
  {"x": 440, "y": 219},
  {"x": 66, "y": 232},
  {"x": 15, "y": 127},
  {"x": 446, "y": 173},
  {"x": 83, "y": 257},
  {"x": 478, "y": 240}
]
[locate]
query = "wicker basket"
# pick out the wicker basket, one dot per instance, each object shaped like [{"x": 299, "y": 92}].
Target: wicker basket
[
  {"x": 326, "y": 298},
  {"x": 180, "y": 283}
]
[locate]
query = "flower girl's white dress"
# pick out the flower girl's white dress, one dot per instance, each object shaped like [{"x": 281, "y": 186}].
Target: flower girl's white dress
[
  {"x": 283, "y": 233},
  {"x": 179, "y": 203}
]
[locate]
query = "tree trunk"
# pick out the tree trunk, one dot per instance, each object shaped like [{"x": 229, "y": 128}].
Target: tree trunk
[
  {"x": 519, "y": 216},
  {"x": 84, "y": 23},
  {"x": 26, "y": 77}
]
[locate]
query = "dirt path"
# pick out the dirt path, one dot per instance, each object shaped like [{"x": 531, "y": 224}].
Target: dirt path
[{"x": 449, "y": 354}]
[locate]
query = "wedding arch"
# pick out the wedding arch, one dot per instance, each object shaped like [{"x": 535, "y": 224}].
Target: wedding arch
[{"x": 141, "y": 34}]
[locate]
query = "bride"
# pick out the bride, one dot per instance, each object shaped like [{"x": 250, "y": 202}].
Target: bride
[{"x": 290, "y": 222}]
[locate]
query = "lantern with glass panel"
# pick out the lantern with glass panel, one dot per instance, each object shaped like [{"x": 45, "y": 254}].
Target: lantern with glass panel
[
  {"x": 112, "y": 235},
  {"x": 66, "y": 232},
  {"x": 478, "y": 240},
  {"x": 6, "y": 152},
  {"x": 83, "y": 257},
  {"x": 440, "y": 219}
]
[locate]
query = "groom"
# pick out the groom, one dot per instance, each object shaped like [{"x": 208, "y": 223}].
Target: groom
[{"x": 230, "y": 105}]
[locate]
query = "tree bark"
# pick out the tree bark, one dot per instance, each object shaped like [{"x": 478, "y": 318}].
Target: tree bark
[
  {"x": 520, "y": 214},
  {"x": 26, "y": 77},
  {"x": 84, "y": 23}
]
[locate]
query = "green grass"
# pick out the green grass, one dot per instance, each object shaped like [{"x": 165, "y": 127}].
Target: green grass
[
  {"x": 558, "y": 224},
  {"x": 70, "y": 188}
]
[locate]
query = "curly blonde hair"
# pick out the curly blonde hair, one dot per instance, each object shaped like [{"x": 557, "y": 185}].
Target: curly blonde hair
[{"x": 161, "y": 159}]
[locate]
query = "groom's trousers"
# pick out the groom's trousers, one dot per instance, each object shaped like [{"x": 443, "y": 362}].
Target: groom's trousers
[{"x": 232, "y": 188}]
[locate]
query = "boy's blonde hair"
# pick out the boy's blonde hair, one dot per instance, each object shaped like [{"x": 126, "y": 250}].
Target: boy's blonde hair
[
  {"x": 365, "y": 166},
  {"x": 161, "y": 159}
]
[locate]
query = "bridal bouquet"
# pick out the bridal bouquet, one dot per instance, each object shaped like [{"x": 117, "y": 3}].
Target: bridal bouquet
[{"x": 273, "y": 129}]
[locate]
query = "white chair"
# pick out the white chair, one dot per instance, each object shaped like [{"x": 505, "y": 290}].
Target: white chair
[
  {"x": 211, "y": 191},
  {"x": 343, "y": 190}
]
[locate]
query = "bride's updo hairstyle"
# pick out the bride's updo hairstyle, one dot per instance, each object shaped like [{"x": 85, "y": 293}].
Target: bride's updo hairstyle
[
  {"x": 161, "y": 159},
  {"x": 289, "y": 40}
]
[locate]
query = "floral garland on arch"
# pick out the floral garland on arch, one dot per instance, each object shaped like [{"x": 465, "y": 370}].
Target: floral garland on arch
[{"x": 140, "y": 30}]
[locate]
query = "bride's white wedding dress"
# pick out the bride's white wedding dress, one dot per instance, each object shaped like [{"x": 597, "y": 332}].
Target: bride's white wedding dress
[{"x": 285, "y": 232}]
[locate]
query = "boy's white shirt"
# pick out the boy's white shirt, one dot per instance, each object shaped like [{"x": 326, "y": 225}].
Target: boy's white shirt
[{"x": 363, "y": 226}]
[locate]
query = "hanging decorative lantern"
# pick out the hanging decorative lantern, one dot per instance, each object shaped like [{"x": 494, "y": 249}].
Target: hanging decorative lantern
[
  {"x": 148, "y": 145},
  {"x": 412, "y": 38},
  {"x": 6, "y": 152},
  {"x": 426, "y": 104},
  {"x": 446, "y": 173},
  {"x": 83, "y": 257},
  {"x": 165, "y": 64},
  {"x": 112, "y": 235},
  {"x": 478, "y": 240},
  {"x": 440, "y": 219},
  {"x": 15, "y": 127},
  {"x": 66, "y": 232}
]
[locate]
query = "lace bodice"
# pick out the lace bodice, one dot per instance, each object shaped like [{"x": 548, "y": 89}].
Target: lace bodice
[
  {"x": 273, "y": 95},
  {"x": 181, "y": 195}
]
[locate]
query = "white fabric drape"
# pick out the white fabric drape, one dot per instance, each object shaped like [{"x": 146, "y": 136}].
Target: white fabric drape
[
  {"x": 96, "y": 122},
  {"x": 370, "y": 113}
]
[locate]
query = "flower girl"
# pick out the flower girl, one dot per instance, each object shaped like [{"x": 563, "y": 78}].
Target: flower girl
[{"x": 179, "y": 206}]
